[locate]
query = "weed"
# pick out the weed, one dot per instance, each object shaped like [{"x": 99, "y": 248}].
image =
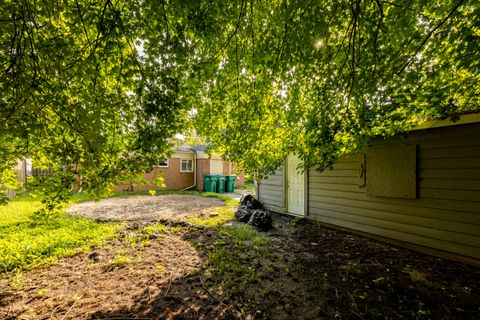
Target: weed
[
  {"x": 288, "y": 308},
  {"x": 375, "y": 312},
  {"x": 217, "y": 219},
  {"x": 247, "y": 237},
  {"x": 17, "y": 280},
  {"x": 293, "y": 226},
  {"x": 174, "y": 230},
  {"x": 379, "y": 281},
  {"x": 143, "y": 235},
  {"x": 76, "y": 297},
  {"x": 42, "y": 292},
  {"x": 156, "y": 227},
  {"x": 121, "y": 260},
  {"x": 237, "y": 259},
  {"x": 421, "y": 313},
  {"x": 122, "y": 252},
  {"x": 195, "y": 272}
]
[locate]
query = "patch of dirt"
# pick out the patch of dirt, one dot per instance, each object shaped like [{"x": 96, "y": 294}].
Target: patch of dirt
[
  {"x": 346, "y": 276},
  {"x": 310, "y": 272},
  {"x": 160, "y": 277},
  {"x": 145, "y": 208}
]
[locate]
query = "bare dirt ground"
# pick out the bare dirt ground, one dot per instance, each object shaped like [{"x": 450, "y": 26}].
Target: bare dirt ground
[
  {"x": 308, "y": 272},
  {"x": 144, "y": 208}
]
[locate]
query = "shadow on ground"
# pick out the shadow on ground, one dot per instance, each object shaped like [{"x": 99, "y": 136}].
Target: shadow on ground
[
  {"x": 311, "y": 272},
  {"x": 298, "y": 270}
]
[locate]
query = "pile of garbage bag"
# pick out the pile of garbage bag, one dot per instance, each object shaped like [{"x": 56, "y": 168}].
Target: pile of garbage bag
[{"x": 251, "y": 211}]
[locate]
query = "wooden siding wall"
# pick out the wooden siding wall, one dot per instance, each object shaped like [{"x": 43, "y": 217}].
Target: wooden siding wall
[
  {"x": 271, "y": 191},
  {"x": 446, "y": 213}
]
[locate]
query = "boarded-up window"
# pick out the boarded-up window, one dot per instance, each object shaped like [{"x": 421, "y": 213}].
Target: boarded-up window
[{"x": 391, "y": 171}]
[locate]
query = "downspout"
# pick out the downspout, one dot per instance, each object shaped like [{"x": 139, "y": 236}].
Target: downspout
[{"x": 194, "y": 172}]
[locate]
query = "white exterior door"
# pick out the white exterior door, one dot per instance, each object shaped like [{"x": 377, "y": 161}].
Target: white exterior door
[{"x": 295, "y": 187}]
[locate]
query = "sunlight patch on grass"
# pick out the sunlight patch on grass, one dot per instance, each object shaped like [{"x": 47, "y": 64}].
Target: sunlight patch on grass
[
  {"x": 156, "y": 227},
  {"x": 217, "y": 216},
  {"x": 229, "y": 202},
  {"x": 214, "y": 219},
  {"x": 26, "y": 243}
]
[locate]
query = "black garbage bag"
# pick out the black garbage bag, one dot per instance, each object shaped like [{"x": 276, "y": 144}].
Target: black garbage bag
[
  {"x": 250, "y": 202},
  {"x": 262, "y": 219},
  {"x": 243, "y": 214}
]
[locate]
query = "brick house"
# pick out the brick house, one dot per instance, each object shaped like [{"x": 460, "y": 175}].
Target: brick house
[{"x": 185, "y": 170}]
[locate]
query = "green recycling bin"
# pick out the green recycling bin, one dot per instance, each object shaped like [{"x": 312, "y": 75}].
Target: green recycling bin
[
  {"x": 210, "y": 183},
  {"x": 230, "y": 183},
  {"x": 221, "y": 183}
]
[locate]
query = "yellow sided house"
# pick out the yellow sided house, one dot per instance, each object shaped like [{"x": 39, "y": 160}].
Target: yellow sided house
[{"x": 421, "y": 191}]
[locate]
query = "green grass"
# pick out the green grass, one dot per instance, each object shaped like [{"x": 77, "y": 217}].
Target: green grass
[
  {"x": 248, "y": 185},
  {"x": 217, "y": 216},
  {"x": 229, "y": 202},
  {"x": 237, "y": 263},
  {"x": 121, "y": 260},
  {"x": 236, "y": 259},
  {"x": 246, "y": 236},
  {"x": 26, "y": 242}
]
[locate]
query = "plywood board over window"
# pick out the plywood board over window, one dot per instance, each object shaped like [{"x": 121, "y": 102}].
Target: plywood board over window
[{"x": 391, "y": 171}]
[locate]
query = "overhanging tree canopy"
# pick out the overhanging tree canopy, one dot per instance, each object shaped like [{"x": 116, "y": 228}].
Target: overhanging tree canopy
[
  {"x": 97, "y": 87},
  {"x": 321, "y": 77}
]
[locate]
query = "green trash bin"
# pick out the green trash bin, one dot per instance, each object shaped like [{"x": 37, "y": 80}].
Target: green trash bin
[
  {"x": 214, "y": 182},
  {"x": 210, "y": 183},
  {"x": 221, "y": 183},
  {"x": 230, "y": 183}
]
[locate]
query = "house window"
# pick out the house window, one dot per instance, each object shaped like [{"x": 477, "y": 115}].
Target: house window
[
  {"x": 162, "y": 163},
  {"x": 186, "y": 166}
]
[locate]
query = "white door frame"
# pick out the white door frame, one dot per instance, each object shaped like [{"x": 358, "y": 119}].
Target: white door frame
[{"x": 305, "y": 192}]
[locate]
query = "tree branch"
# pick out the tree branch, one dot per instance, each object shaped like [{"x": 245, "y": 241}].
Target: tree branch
[{"x": 430, "y": 35}]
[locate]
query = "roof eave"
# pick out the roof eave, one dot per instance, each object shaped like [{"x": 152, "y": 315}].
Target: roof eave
[{"x": 448, "y": 122}]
